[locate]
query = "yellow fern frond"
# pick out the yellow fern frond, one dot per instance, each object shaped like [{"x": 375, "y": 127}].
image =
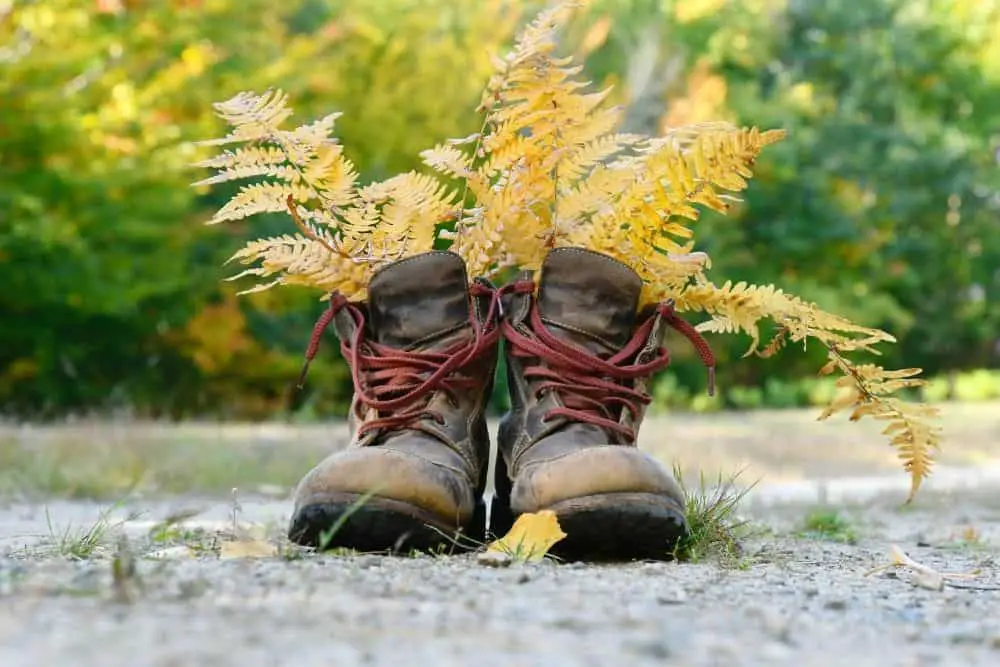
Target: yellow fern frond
[
  {"x": 298, "y": 260},
  {"x": 345, "y": 230},
  {"x": 741, "y": 307},
  {"x": 866, "y": 389},
  {"x": 305, "y": 163},
  {"x": 257, "y": 198},
  {"x": 541, "y": 132},
  {"x": 577, "y": 182},
  {"x": 330, "y": 174},
  {"x": 410, "y": 206},
  {"x": 597, "y": 151},
  {"x": 448, "y": 160},
  {"x": 641, "y": 202},
  {"x": 549, "y": 167},
  {"x": 248, "y": 163},
  {"x": 675, "y": 272},
  {"x": 252, "y": 116}
]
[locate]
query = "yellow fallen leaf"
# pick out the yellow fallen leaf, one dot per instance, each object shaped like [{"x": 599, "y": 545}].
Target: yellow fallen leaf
[
  {"x": 531, "y": 536},
  {"x": 924, "y": 576},
  {"x": 247, "y": 549}
]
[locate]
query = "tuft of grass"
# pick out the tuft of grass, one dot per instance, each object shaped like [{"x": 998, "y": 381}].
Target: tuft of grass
[
  {"x": 81, "y": 544},
  {"x": 968, "y": 538},
  {"x": 458, "y": 543},
  {"x": 171, "y": 531},
  {"x": 830, "y": 525},
  {"x": 714, "y": 529}
]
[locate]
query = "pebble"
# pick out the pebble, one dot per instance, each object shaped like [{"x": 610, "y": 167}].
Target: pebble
[
  {"x": 675, "y": 596},
  {"x": 654, "y": 648},
  {"x": 494, "y": 559}
]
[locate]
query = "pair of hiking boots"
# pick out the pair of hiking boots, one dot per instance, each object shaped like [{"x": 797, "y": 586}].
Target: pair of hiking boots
[{"x": 422, "y": 351}]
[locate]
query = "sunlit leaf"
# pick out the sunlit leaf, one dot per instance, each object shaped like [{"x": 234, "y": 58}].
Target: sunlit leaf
[
  {"x": 531, "y": 536},
  {"x": 247, "y": 549}
]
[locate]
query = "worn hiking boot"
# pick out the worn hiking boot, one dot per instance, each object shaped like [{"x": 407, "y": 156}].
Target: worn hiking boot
[
  {"x": 422, "y": 352},
  {"x": 579, "y": 360}
]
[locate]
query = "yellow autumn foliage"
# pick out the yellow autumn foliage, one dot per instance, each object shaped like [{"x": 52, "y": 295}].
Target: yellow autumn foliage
[
  {"x": 549, "y": 168},
  {"x": 345, "y": 230},
  {"x": 530, "y": 538}
]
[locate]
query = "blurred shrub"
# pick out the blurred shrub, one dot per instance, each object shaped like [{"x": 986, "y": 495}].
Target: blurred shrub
[
  {"x": 978, "y": 385},
  {"x": 882, "y": 203},
  {"x": 777, "y": 393},
  {"x": 113, "y": 295}
]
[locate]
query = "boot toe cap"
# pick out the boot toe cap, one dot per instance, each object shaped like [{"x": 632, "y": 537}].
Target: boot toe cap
[
  {"x": 591, "y": 471},
  {"x": 402, "y": 477}
]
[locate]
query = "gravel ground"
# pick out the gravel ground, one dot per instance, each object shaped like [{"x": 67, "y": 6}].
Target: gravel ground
[{"x": 791, "y": 599}]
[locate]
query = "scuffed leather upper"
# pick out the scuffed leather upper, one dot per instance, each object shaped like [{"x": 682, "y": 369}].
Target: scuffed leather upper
[
  {"x": 420, "y": 303},
  {"x": 591, "y": 300}
]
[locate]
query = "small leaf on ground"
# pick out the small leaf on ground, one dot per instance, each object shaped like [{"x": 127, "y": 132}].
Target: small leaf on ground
[
  {"x": 247, "y": 549},
  {"x": 924, "y": 576},
  {"x": 531, "y": 536}
]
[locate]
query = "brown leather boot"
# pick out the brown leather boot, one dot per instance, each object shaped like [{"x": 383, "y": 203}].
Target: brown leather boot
[
  {"x": 422, "y": 352},
  {"x": 579, "y": 360}
]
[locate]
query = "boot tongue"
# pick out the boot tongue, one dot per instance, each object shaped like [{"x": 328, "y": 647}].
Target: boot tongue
[
  {"x": 418, "y": 298},
  {"x": 588, "y": 298}
]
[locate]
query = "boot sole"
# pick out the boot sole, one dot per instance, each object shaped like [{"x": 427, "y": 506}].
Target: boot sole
[
  {"x": 380, "y": 525},
  {"x": 619, "y": 526}
]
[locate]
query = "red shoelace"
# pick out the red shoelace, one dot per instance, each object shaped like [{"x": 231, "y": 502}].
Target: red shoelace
[
  {"x": 591, "y": 387},
  {"x": 401, "y": 382}
]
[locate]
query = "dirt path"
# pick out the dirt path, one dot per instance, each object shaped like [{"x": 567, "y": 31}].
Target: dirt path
[
  {"x": 791, "y": 600},
  {"x": 797, "y": 596}
]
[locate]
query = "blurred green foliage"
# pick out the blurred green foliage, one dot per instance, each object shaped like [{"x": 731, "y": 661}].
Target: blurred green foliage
[{"x": 882, "y": 204}]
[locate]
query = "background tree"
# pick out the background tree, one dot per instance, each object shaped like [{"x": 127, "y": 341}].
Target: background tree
[
  {"x": 881, "y": 203},
  {"x": 113, "y": 295}
]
